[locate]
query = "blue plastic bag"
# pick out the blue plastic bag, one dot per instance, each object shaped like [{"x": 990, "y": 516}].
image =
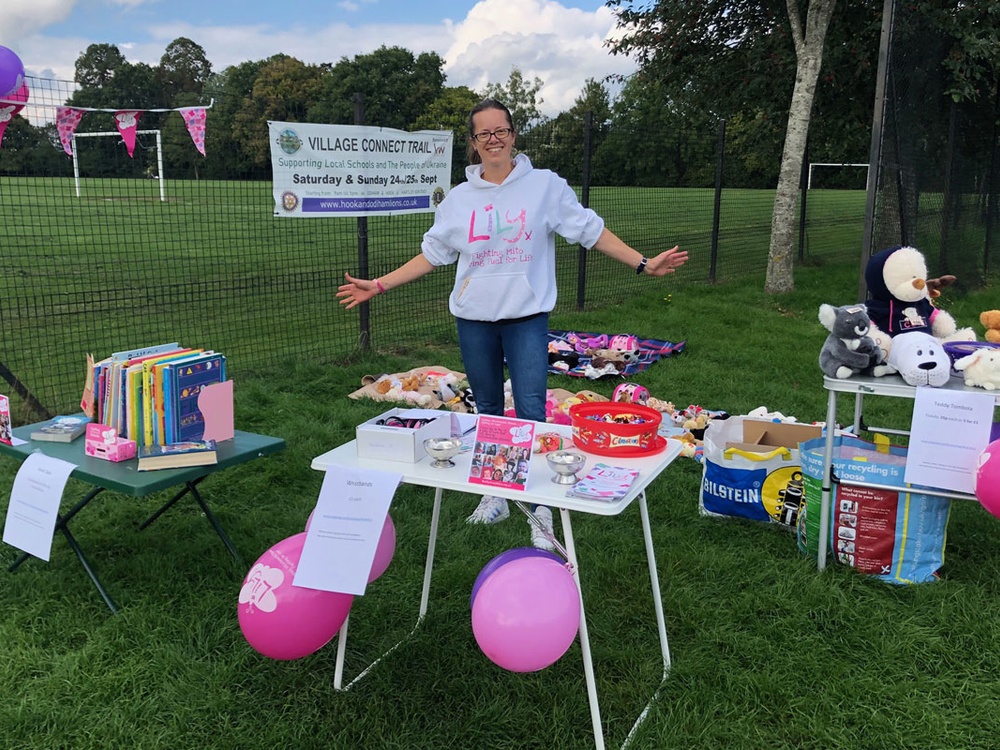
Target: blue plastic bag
[{"x": 895, "y": 536}]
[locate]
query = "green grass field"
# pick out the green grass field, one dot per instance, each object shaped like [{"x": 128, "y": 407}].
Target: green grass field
[
  {"x": 767, "y": 652},
  {"x": 116, "y": 268}
]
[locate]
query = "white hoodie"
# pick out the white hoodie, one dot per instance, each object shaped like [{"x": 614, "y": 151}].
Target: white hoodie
[{"x": 503, "y": 237}]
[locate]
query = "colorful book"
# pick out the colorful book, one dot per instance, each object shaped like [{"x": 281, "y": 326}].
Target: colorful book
[
  {"x": 147, "y": 436},
  {"x": 177, "y": 455},
  {"x": 61, "y": 429},
  {"x": 188, "y": 377},
  {"x": 501, "y": 454}
]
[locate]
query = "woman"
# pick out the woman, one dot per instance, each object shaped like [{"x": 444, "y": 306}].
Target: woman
[{"x": 499, "y": 227}]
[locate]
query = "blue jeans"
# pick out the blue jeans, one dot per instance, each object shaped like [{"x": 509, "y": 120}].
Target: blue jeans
[{"x": 524, "y": 343}]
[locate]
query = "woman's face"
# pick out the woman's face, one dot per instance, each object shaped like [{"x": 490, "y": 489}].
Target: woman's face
[{"x": 495, "y": 150}]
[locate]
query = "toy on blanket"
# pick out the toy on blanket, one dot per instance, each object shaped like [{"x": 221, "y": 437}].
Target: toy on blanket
[
  {"x": 630, "y": 393},
  {"x": 848, "y": 349}
]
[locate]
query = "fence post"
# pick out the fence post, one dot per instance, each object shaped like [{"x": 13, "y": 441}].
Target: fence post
[
  {"x": 991, "y": 186},
  {"x": 364, "y": 317},
  {"x": 720, "y": 158},
  {"x": 803, "y": 190},
  {"x": 581, "y": 271}
]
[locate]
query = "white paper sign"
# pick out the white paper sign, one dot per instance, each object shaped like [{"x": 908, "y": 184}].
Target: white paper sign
[
  {"x": 948, "y": 432},
  {"x": 34, "y": 504},
  {"x": 345, "y": 528}
]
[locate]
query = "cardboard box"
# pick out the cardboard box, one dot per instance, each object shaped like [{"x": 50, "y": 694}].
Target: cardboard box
[
  {"x": 399, "y": 443},
  {"x": 103, "y": 442},
  {"x": 763, "y": 435}
]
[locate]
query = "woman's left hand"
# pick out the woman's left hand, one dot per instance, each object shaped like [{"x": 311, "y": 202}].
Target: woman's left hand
[{"x": 666, "y": 262}]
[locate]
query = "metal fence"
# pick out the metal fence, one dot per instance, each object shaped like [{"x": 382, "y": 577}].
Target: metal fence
[{"x": 122, "y": 254}]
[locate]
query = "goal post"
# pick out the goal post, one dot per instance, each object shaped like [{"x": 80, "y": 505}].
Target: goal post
[
  {"x": 159, "y": 156},
  {"x": 812, "y": 165}
]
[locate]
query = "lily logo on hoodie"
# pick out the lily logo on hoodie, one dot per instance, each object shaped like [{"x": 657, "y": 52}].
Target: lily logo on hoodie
[{"x": 509, "y": 229}]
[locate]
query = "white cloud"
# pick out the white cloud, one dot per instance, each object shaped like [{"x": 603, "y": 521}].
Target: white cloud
[
  {"x": 561, "y": 46},
  {"x": 20, "y": 18}
]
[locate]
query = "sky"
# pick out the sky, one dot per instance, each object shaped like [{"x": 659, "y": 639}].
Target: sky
[{"x": 560, "y": 42}]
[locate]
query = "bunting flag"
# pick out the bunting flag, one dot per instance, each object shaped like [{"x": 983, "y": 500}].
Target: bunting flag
[
  {"x": 127, "y": 121},
  {"x": 8, "y": 108},
  {"x": 67, "y": 120},
  {"x": 194, "y": 118}
]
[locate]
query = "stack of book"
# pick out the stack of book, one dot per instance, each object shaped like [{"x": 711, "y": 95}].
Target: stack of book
[{"x": 150, "y": 395}]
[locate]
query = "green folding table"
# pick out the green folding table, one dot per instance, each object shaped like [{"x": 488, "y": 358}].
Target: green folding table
[{"x": 125, "y": 478}]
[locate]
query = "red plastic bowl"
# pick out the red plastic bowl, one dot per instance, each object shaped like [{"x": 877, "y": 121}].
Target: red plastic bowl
[{"x": 595, "y": 431}]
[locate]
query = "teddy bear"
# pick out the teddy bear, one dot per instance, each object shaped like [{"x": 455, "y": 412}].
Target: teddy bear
[
  {"x": 991, "y": 322},
  {"x": 981, "y": 368},
  {"x": 899, "y": 301},
  {"x": 848, "y": 349}
]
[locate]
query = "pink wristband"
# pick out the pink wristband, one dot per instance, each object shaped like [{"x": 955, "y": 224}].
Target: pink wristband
[{"x": 381, "y": 289}]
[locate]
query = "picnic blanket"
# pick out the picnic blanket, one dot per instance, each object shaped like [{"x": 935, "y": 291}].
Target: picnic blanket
[{"x": 568, "y": 353}]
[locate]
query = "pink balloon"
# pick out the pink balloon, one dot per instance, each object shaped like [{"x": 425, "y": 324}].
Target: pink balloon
[
  {"x": 503, "y": 558},
  {"x": 21, "y": 95},
  {"x": 11, "y": 72},
  {"x": 988, "y": 478},
  {"x": 527, "y": 614},
  {"x": 384, "y": 550},
  {"x": 283, "y": 621}
]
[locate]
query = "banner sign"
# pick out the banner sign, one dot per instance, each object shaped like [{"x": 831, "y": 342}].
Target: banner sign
[{"x": 355, "y": 170}]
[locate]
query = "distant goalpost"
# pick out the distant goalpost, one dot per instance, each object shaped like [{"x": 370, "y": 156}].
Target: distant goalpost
[
  {"x": 812, "y": 165},
  {"x": 159, "y": 156}
]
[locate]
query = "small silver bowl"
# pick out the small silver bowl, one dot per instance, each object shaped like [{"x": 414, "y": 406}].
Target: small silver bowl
[
  {"x": 442, "y": 449},
  {"x": 565, "y": 464}
]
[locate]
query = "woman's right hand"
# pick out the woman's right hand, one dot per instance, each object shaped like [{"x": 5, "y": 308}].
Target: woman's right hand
[{"x": 356, "y": 291}]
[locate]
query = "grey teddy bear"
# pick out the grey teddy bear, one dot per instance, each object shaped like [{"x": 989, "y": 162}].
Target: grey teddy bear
[{"x": 849, "y": 349}]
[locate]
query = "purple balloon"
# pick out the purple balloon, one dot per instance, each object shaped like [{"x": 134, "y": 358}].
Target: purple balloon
[
  {"x": 11, "y": 71},
  {"x": 505, "y": 557}
]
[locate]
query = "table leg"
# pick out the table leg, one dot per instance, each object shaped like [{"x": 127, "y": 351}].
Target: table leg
[
  {"x": 62, "y": 525},
  {"x": 588, "y": 662},
  {"x": 338, "y": 675},
  {"x": 827, "y": 491},
  {"x": 192, "y": 489},
  {"x": 431, "y": 542}
]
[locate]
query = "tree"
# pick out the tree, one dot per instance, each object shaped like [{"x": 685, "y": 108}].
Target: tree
[
  {"x": 809, "y": 40},
  {"x": 520, "y": 97},
  {"x": 747, "y": 57},
  {"x": 397, "y": 87},
  {"x": 183, "y": 68},
  {"x": 96, "y": 67},
  {"x": 450, "y": 111}
]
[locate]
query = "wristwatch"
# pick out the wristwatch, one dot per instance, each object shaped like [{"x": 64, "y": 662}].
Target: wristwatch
[{"x": 642, "y": 266}]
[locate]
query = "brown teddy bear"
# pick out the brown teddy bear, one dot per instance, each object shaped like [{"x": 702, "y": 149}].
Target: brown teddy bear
[{"x": 991, "y": 322}]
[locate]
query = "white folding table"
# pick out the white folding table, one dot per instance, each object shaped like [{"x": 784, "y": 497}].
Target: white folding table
[{"x": 540, "y": 490}]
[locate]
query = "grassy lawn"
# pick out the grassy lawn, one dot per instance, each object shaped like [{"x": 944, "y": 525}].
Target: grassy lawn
[{"x": 767, "y": 652}]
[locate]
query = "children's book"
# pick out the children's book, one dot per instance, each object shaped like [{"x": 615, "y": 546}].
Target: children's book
[
  {"x": 61, "y": 429},
  {"x": 604, "y": 482},
  {"x": 188, "y": 377},
  {"x": 501, "y": 454},
  {"x": 149, "y": 395},
  {"x": 177, "y": 455}
]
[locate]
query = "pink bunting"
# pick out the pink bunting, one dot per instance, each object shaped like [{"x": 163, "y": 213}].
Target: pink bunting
[
  {"x": 67, "y": 120},
  {"x": 194, "y": 118},
  {"x": 8, "y": 109},
  {"x": 127, "y": 121}
]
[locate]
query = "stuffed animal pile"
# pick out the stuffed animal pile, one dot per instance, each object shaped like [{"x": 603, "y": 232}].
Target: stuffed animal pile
[{"x": 907, "y": 329}]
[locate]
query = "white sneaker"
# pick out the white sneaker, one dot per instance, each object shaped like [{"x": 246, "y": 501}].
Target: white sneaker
[
  {"x": 491, "y": 509},
  {"x": 542, "y": 532}
]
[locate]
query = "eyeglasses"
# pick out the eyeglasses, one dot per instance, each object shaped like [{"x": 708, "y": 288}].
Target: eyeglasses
[{"x": 501, "y": 134}]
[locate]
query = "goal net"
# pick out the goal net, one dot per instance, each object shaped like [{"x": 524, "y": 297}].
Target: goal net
[
  {"x": 158, "y": 176},
  {"x": 827, "y": 176}
]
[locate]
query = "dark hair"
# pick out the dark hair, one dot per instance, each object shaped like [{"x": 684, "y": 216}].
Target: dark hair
[{"x": 485, "y": 104}]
